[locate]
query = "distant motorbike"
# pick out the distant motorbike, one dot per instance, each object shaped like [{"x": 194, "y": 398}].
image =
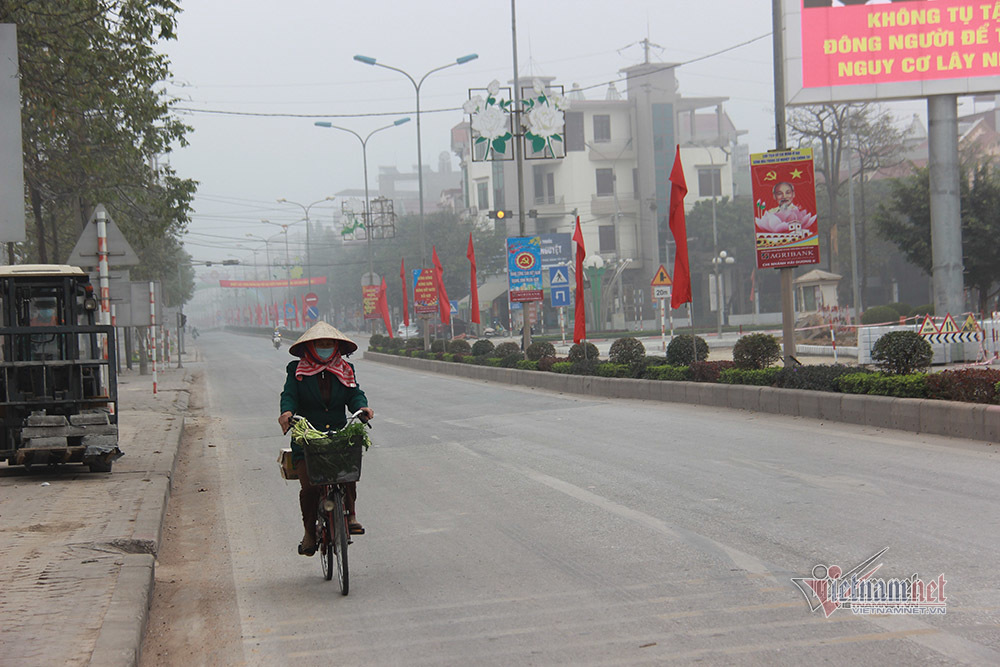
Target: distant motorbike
[{"x": 277, "y": 342}]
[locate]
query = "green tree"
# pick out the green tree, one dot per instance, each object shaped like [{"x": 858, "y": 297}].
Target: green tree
[
  {"x": 867, "y": 130},
  {"x": 94, "y": 124},
  {"x": 905, "y": 219}
]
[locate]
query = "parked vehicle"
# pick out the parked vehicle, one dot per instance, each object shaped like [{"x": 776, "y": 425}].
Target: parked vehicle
[
  {"x": 58, "y": 372},
  {"x": 403, "y": 331}
]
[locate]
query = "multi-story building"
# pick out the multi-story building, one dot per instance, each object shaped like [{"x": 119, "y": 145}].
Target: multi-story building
[{"x": 618, "y": 155}]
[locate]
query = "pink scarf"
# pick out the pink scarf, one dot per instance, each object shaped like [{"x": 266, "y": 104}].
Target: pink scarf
[{"x": 311, "y": 364}]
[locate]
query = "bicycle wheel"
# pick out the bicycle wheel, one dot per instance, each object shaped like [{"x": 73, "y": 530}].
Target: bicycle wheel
[
  {"x": 339, "y": 534},
  {"x": 324, "y": 538}
]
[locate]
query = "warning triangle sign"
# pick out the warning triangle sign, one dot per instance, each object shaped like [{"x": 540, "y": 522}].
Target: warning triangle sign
[
  {"x": 120, "y": 253},
  {"x": 662, "y": 278},
  {"x": 949, "y": 325},
  {"x": 928, "y": 328},
  {"x": 971, "y": 324}
]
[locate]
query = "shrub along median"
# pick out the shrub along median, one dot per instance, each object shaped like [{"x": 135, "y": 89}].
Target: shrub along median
[{"x": 749, "y": 381}]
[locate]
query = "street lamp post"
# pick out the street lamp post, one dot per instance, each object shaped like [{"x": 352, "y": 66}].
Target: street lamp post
[
  {"x": 305, "y": 209},
  {"x": 420, "y": 165},
  {"x": 722, "y": 258},
  {"x": 288, "y": 263},
  {"x": 267, "y": 257},
  {"x": 364, "y": 158}
]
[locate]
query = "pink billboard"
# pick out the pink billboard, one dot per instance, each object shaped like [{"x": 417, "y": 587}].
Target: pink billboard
[{"x": 880, "y": 42}]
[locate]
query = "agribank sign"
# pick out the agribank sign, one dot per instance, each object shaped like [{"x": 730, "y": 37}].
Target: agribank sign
[{"x": 889, "y": 50}]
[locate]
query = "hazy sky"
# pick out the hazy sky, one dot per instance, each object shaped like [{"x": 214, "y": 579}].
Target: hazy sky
[{"x": 296, "y": 58}]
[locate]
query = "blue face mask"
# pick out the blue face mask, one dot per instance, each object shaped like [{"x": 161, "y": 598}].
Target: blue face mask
[{"x": 324, "y": 352}]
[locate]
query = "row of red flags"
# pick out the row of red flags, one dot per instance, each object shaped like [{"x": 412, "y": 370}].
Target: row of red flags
[{"x": 681, "y": 280}]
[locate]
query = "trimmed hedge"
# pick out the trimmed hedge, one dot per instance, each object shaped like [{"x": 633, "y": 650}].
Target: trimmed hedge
[
  {"x": 562, "y": 367},
  {"x": 581, "y": 351},
  {"x": 679, "y": 350},
  {"x": 877, "y": 384},
  {"x": 482, "y": 347},
  {"x": 822, "y": 377},
  {"x": 506, "y": 349},
  {"x": 540, "y": 349},
  {"x": 880, "y": 315},
  {"x": 626, "y": 351},
  {"x": 708, "y": 371},
  {"x": 672, "y": 373},
  {"x": 527, "y": 365},
  {"x": 758, "y": 377},
  {"x": 971, "y": 385},
  {"x": 756, "y": 350},
  {"x": 611, "y": 370},
  {"x": 902, "y": 353},
  {"x": 459, "y": 347}
]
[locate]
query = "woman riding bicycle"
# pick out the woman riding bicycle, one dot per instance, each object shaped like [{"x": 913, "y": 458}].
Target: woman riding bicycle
[{"x": 321, "y": 387}]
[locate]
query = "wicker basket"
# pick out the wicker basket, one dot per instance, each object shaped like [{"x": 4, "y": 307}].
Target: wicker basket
[
  {"x": 285, "y": 462},
  {"x": 334, "y": 460}
]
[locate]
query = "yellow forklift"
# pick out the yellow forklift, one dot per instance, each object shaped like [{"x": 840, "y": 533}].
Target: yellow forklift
[{"x": 58, "y": 372}]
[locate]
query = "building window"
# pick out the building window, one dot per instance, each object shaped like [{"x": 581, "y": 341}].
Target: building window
[
  {"x": 483, "y": 195},
  {"x": 709, "y": 181},
  {"x": 605, "y": 182},
  {"x": 545, "y": 185},
  {"x": 606, "y": 239},
  {"x": 602, "y": 128},
  {"x": 574, "y": 131}
]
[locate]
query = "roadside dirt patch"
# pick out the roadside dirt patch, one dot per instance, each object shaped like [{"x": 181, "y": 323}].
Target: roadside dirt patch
[{"x": 194, "y": 619}]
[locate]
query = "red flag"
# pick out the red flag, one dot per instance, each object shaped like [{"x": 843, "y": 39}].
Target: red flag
[
  {"x": 474, "y": 288},
  {"x": 383, "y": 307},
  {"x": 402, "y": 277},
  {"x": 444, "y": 305},
  {"x": 682, "y": 273},
  {"x": 580, "y": 322}
]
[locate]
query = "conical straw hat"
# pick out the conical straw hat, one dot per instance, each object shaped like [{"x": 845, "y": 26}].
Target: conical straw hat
[{"x": 323, "y": 330}]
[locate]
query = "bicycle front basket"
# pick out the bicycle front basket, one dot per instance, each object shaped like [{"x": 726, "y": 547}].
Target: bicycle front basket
[{"x": 334, "y": 460}]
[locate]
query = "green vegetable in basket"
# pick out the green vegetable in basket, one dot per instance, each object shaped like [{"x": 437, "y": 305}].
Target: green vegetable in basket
[{"x": 304, "y": 434}]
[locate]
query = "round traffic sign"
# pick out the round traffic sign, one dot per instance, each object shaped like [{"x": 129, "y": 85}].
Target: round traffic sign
[{"x": 310, "y": 299}]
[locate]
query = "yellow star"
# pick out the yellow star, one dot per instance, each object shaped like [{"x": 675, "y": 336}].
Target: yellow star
[{"x": 796, "y": 173}]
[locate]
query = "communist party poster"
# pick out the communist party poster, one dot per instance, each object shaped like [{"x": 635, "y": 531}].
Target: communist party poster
[{"x": 784, "y": 193}]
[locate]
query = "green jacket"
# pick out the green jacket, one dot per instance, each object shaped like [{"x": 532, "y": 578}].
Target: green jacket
[{"x": 302, "y": 397}]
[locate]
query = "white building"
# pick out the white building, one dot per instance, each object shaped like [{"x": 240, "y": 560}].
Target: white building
[{"x": 618, "y": 156}]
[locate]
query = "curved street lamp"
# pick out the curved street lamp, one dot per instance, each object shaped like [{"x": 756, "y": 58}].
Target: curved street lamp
[
  {"x": 364, "y": 156},
  {"x": 367, "y": 60},
  {"x": 305, "y": 209}
]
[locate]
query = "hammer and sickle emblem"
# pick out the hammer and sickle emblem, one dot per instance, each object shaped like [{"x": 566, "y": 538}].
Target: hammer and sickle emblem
[{"x": 771, "y": 176}]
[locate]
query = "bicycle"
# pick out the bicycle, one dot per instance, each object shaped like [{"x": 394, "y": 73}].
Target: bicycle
[{"x": 333, "y": 468}]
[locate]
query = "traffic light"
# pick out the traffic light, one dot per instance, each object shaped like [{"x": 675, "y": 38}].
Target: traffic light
[{"x": 500, "y": 215}]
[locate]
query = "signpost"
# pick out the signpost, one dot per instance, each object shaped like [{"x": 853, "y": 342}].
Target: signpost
[
  {"x": 661, "y": 285},
  {"x": 311, "y": 302},
  {"x": 559, "y": 293}
]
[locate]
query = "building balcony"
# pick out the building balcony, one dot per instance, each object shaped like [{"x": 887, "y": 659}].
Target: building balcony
[
  {"x": 606, "y": 204},
  {"x": 549, "y": 205},
  {"x": 610, "y": 151}
]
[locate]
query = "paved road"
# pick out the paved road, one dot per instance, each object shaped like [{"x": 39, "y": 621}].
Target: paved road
[{"x": 513, "y": 526}]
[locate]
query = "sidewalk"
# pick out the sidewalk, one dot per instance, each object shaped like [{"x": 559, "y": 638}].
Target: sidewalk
[{"x": 78, "y": 548}]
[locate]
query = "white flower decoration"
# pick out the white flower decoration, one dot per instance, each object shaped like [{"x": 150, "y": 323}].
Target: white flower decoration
[
  {"x": 539, "y": 87},
  {"x": 544, "y": 120},
  {"x": 493, "y": 88},
  {"x": 490, "y": 123},
  {"x": 473, "y": 105}
]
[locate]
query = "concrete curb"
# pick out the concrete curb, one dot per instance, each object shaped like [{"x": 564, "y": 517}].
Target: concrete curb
[
  {"x": 120, "y": 639},
  {"x": 119, "y": 642},
  {"x": 917, "y": 415}
]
